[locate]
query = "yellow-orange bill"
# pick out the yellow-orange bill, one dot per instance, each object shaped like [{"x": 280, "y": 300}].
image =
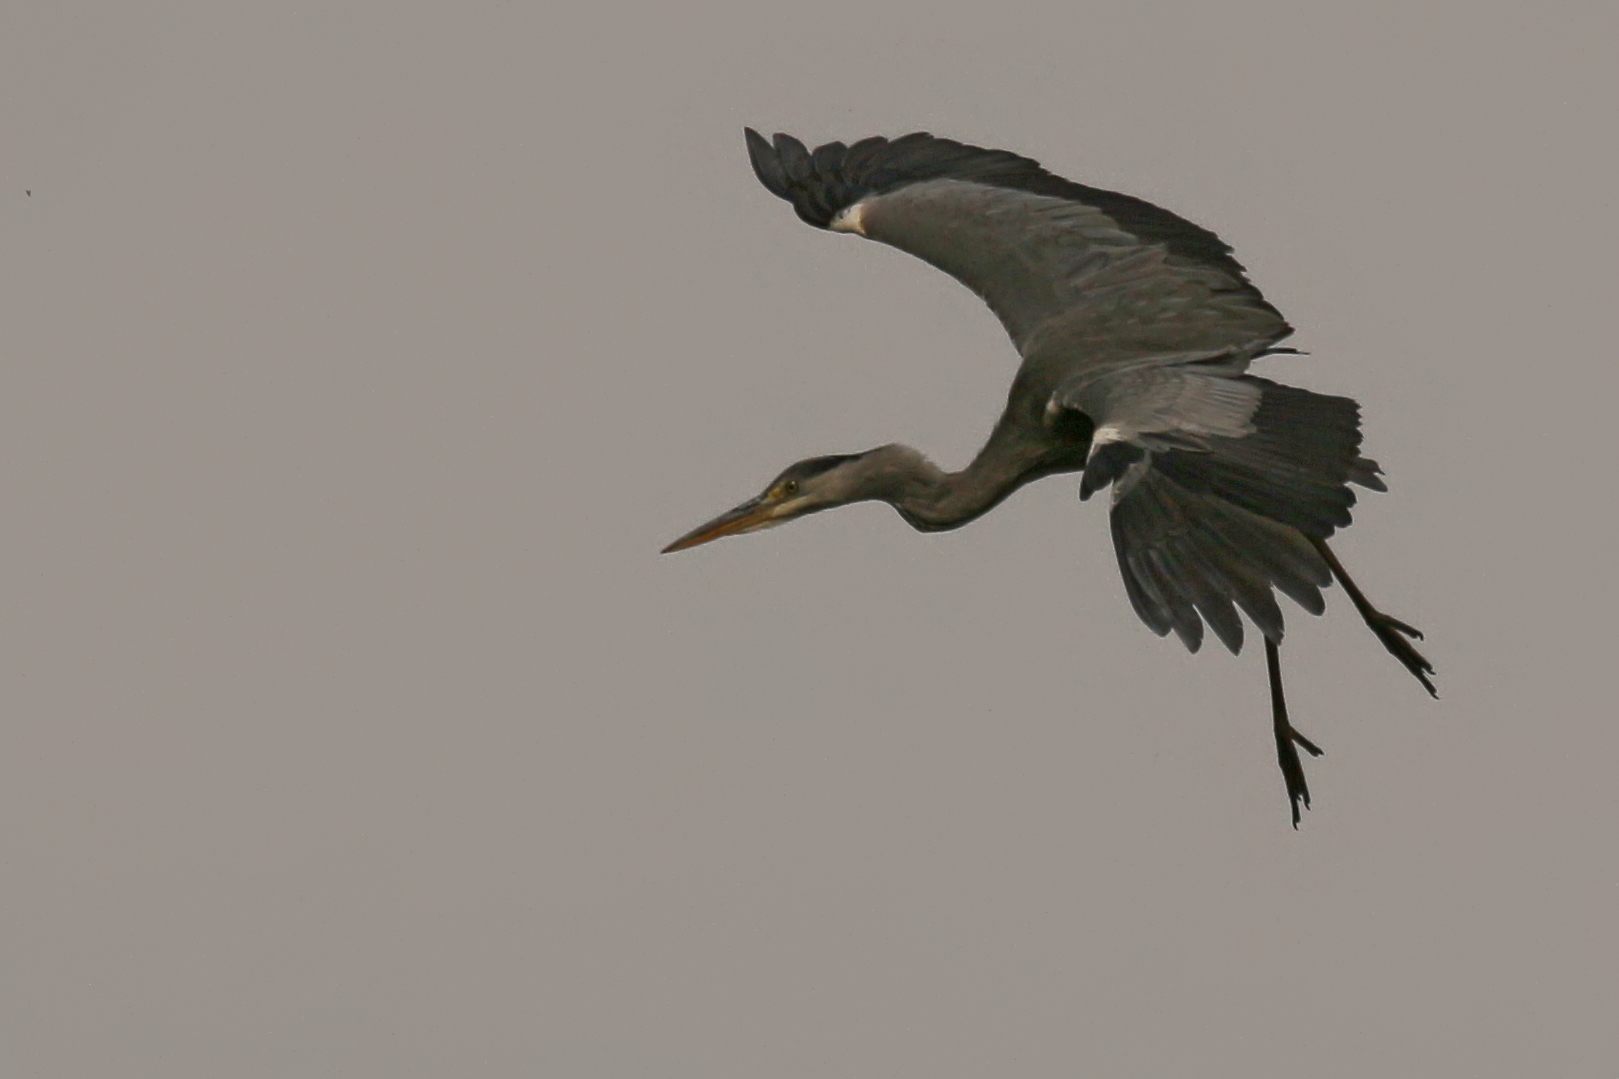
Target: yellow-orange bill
[{"x": 745, "y": 518}]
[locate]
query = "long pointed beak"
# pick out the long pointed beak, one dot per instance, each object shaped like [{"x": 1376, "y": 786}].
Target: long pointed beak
[{"x": 752, "y": 514}]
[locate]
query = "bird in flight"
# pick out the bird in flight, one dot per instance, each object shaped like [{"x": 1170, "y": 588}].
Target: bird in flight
[{"x": 1135, "y": 329}]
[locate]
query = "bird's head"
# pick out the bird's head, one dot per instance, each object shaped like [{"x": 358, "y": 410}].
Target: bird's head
[{"x": 812, "y": 485}]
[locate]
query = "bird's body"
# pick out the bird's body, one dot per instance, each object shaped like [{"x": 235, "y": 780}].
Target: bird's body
[{"x": 1136, "y": 330}]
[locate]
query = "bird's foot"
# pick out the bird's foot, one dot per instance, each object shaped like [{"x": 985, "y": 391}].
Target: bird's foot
[
  {"x": 1396, "y": 637},
  {"x": 1287, "y": 755},
  {"x": 1395, "y": 634},
  {"x": 1288, "y": 739}
]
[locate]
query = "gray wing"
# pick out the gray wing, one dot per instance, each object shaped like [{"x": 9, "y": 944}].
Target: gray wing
[
  {"x": 1068, "y": 283},
  {"x": 1162, "y": 406},
  {"x": 1080, "y": 277}
]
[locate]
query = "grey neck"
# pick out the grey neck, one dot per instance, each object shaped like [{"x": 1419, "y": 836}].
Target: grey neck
[{"x": 933, "y": 500}]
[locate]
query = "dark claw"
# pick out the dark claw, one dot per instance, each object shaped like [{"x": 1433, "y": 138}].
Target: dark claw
[
  {"x": 1408, "y": 630},
  {"x": 1287, "y": 738},
  {"x": 1388, "y": 631},
  {"x": 1391, "y": 631}
]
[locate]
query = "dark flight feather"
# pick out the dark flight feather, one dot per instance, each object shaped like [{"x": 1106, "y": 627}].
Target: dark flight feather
[
  {"x": 1189, "y": 557},
  {"x": 834, "y": 177},
  {"x": 1294, "y": 469}
]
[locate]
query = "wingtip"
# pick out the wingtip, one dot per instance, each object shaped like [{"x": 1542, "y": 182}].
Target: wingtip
[{"x": 766, "y": 162}]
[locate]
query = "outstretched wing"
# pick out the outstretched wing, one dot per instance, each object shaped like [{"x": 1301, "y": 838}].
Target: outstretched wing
[{"x": 1077, "y": 275}]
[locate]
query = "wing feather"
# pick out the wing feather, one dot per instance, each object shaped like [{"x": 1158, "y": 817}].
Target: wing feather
[
  {"x": 877, "y": 164},
  {"x": 1189, "y": 558},
  {"x": 1066, "y": 267}
]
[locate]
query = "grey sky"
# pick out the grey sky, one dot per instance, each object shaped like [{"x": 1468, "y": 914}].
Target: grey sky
[{"x": 357, "y": 362}]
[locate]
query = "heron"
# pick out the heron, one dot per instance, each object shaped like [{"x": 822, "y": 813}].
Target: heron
[{"x": 1135, "y": 330}]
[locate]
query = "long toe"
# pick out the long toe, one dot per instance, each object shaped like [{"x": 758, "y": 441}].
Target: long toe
[
  {"x": 1395, "y": 636},
  {"x": 1403, "y": 627}
]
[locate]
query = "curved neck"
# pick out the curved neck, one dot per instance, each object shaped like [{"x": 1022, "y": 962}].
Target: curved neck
[{"x": 932, "y": 500}]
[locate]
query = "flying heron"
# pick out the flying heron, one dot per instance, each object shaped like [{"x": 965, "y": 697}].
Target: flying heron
[{"x": 1136, "y": 329}]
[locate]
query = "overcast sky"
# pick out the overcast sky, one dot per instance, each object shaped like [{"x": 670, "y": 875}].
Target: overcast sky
[{"x": 356, "y": 360}]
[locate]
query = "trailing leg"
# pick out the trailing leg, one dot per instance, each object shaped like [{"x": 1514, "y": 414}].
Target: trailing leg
[
  {"x": 1395, "y": 634},
  {"x": 1287, "y": 739}
]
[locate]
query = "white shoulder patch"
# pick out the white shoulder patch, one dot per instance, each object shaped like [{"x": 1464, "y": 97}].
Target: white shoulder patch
[
  {"x": 1108, "y": 432},
  {"x": 850, "y": 219}
]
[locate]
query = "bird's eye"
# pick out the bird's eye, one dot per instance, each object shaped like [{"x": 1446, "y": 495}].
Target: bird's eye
[{"x": 789, "y": 488}]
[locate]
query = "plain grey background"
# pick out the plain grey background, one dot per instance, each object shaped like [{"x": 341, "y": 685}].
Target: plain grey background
[{"x": 358, "y": 359}]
